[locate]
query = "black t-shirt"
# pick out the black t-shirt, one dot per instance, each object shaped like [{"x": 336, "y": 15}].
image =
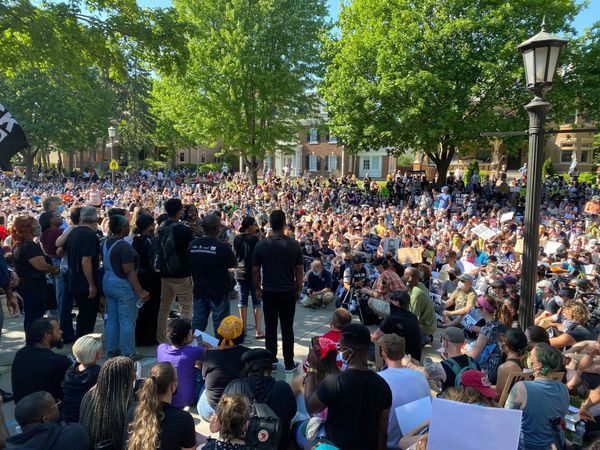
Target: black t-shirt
[
  {"x": 143, "y": 246},
  {"x": 210, "y": 260},
  {"x": 31, "y": 277},
  {"x": 38, "y": 369},
  {"x": 581, "y": 333},
  {"x": 182, "y": 236},
  {"x": 176, "y": 428},
  {"x": 243, "y": 246},
  {"x": 355, "y": 399},
  {"x": 404, "y": 324},
  {"x": 120, "y": 253},
  {"x": 75, "y": 386},
  {"x": 82, "y": 242},
  {"x": 463, "y": 361},
  {"x": 278, "y": 256},
  {"x": 220, "y": 366}
]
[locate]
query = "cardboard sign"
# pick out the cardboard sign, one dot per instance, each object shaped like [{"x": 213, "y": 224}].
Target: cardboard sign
[
  {"x": 483, "y": 232},
  {"x": 519, "y": 246},
  {"x": 507, "y": 216},
  {"x": 410, "y": 255},
  {"x": 451, "y": 426}
]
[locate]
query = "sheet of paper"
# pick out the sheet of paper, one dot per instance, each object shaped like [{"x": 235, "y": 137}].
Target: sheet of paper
[
  {"x": 484, "y": 232},
  {"x": 451, "y": 427},
  {"x": 413, "y": 414},
  {"x": 507, "y": 216},
  {"x": 410, "y": 255},
  {"x": 206, "y": 338},
  {"x": 552, "y": 247}
]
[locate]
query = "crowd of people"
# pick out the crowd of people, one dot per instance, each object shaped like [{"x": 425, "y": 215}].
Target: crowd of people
[{"x": 402, "y": 265}]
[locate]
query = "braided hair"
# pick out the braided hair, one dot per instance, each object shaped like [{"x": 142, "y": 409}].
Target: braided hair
[
  {"x": 258, "y": 373},
  {"x": 104, "y": 407}
]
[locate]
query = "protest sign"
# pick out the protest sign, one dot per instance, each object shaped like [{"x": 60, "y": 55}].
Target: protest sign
[
  {"x": 484, "y": 232},
  {"x": 507, "y": 216},
  {"x": 410, "y": 255},
  {"x": 413, "y": 414}
]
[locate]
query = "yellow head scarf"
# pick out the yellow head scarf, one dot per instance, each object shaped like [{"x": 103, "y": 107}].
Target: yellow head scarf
[{"x": 231, "y": 328}]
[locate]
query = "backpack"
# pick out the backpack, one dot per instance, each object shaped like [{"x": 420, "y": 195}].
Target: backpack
[
  {"x": 458, "y": 370},
  {"x": 165, "y": 258},
  {"x": 264, "y": 426}
]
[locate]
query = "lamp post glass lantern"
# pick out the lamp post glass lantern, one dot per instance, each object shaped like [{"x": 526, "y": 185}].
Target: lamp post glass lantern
[
  {"x": 540, "y": 58},
  {"x": 112, "y": 135}
]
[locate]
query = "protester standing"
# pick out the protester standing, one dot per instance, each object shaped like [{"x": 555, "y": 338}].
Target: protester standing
[{"x": 279, "y": 260}]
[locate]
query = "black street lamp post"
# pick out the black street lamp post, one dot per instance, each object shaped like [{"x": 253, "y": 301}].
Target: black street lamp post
[{"x": 540, "y": 58}]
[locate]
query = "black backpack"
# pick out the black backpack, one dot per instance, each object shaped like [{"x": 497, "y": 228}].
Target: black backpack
[
  {"x": 264, "y": 427},
  {"x": 165, "y": 260}
]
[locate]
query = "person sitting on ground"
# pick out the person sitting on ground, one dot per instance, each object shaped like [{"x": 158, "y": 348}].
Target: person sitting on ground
[
  {"x": 231, "y": 422},
  {"x": 407, "y": 385},
  {"x": 38, "y": 416},
  {"x": 387, "y": 283},
  {"x": 421, "y": 304},
  {"x": 474, "y": 388},
  {"x": 402, "y": 323},
  {"x": 82, "y": 375},
  {"x": 38, "y": 358},
  {"x": 462, "y": 299},
  {"x": 185, "y": 358},
  {"x": 154, "y": 422},
  {"x": 535, "y": 334},
  {"x": 542, "y": 400},
  {"x": 256, "y": 383},
  {"x": 358, "y": 400},
  {"x": 514, "y": 345},
  {"x": 318, "y": 286},
  {"x": 104, "y": 407},
  {"x": 221, "y": 365},
  {"x": 573, "y": 326},
  {"x": 454, "y": 361},
  {"x": 339, "y": 319}
]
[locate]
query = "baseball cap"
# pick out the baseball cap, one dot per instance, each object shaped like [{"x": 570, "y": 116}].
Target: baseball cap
[
  {"x": 379, "y": 261},
  {"x": 466, "y": 277},
  {"x": 498, "y": 284},
  {"x": 256, "y": 354},
  {"x": 545, "y": 284},
  {"x": 453, "y": 335},
  {"x": 478, "y": 381}
]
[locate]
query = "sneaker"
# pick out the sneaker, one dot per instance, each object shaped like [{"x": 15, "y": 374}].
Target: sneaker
[
  {"x": 275, "y": 367},
  {"x": 293, "y": 368},
  {"x": 6, "y": 396}
]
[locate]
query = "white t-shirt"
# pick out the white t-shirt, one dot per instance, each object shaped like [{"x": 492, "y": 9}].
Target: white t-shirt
[{"x": 407, "y": 385}]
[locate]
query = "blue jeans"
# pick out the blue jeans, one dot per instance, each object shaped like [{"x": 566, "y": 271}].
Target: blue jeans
[
  {"x": 247, "y": 290},
  {"x": 203, "y": 307},
  {"x": 65, "y": 307},
  {"x": 58, "y": 283},
  {"x": 203, "y": 407},
  {"x": 121, "y": 314}
]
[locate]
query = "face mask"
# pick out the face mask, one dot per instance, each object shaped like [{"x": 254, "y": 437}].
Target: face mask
[
  {"x": 530, "y": 364},
  {"x": 60, "y": 209},
  {"x": 567, "y": 324},
  {"x": 317, "y": 273},
  {"x": 346, "y": 361},
  {"x": 460, "y": 285}
]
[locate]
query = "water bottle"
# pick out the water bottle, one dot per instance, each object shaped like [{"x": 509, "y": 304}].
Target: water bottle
[
  {"x": 139, "y": 303},
  {"x": 578, "y": 435}
]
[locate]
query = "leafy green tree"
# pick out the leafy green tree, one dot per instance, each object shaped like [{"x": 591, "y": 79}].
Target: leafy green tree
[
  {"x": 431, "y": 76},
  {"x": 252, "y": 65},
  {"x": 584, "y": 73}
]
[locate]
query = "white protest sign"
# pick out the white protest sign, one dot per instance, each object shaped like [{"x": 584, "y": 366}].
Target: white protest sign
[
  {"x": 451, "y": 427},
  {"x": 207, "y": 338},
  {"x": 552, "y": 247},
  {"x": 413, "y": 414},
  {"x": 507, "y": 216},
  {"x": 483, "y": 232}
]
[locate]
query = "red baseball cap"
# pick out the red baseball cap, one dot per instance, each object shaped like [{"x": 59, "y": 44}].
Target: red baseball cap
[{"x": 479, "y": 381}]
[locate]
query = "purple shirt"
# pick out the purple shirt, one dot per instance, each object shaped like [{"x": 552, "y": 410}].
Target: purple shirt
[{"x": 183, "y": 359}]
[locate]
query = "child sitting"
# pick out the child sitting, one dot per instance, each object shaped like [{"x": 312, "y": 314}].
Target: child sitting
[{"x": 231, "y": 422}]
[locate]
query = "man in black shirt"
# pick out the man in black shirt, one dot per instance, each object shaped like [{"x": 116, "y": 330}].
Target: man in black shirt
[
  {"x": 211, "y": 260},
  {"x": 178, "y": 283},
  {"x": 83, "y": 255},
  {"x": 280, "y": 258},
  {"x": 36, "y": 367},
  {"x": 403, "y": 323},
  {"x": 358, "y": 400}
]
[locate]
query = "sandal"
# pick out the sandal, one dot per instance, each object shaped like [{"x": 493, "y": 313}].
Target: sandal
[{"x": 259, "y": 335}]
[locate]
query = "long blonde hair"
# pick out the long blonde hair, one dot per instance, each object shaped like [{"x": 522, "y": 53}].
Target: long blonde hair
[{"x": 144, "y": 429}]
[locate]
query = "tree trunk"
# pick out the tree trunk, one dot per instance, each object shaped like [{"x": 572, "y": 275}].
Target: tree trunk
[
  {"x": 252, "y": 165},
  {"x": 442, "y": 159},
  {"x": 102, "y": 154},
  {"x": 29, "y": 160},
  {"x": 81, "y": 160},
  {"x": 71, "y": 161}
]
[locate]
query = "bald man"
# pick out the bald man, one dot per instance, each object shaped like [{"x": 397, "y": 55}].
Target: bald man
[
  {"x": 421, "y": 304},
  {"x": 211, "y": 260},
  {"x": 38, "y": 414}
]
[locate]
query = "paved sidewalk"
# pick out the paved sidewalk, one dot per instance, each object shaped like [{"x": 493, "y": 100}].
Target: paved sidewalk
[{"x": 308, "y": 323}]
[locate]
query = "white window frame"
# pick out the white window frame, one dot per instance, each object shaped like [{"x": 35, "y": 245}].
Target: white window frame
[
  {"x": 587, "y": 156},
  {"x": 332, "y": 139},
  {"x": 332, "y": 163},
  {"x": 566, "y": 152},
  {"x": 313, "y": 136},
  {"x": 312, "y": 163},
  {"x": 366, "y": 163}
]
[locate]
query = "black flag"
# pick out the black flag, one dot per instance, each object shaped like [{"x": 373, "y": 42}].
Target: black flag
[{"x": 12, "y": 138}]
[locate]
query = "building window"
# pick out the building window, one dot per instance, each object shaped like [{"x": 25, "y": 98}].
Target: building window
[
  {"x": 312, "y": 163},
  {"x": 565, "y": 156},
  {"x": 203, "y": 158},
  {"x": 313, "y": 136},
  {"x": 332, "y": 163},
  {"x": 366, "y": 164},
  {"x": 267, "y": 163},
  {"x": 585, "y": 156},
  {"x": 181, "y": 156},
  {"x": 332, "y": 140},
  {"x": 566, "y": 145}
]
